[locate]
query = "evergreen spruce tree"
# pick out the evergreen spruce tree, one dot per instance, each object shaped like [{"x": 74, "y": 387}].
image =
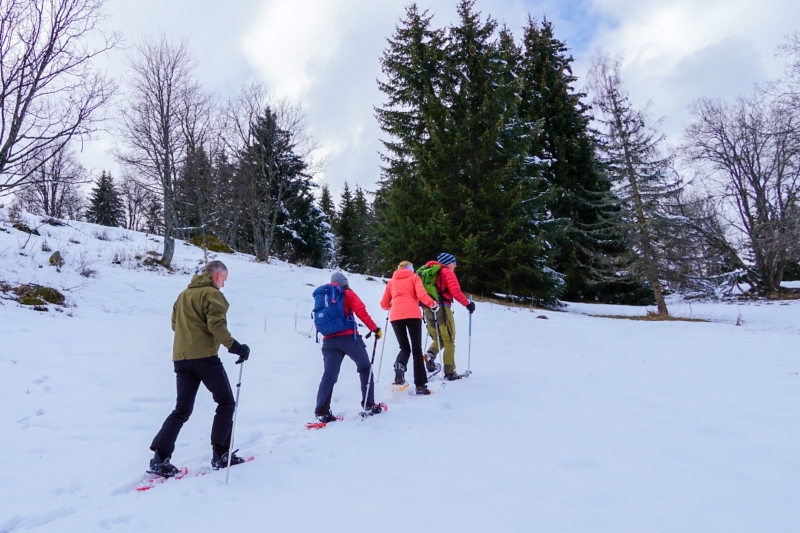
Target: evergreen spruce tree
[
  {"x": 367, "y": 236},
  {"x": 327, "y": 205},
  {"x": 349, "y": 246},
  {"x": 581, "y": 244},
  {"x": 646, "y": 186},
  {"x": 105, "y": 203},
  {"x": 459, "y": 175},
  {"x": 413, "y": 65},
  {"x": 154, "y": 216},
  {"x": 194, "y": 194}
]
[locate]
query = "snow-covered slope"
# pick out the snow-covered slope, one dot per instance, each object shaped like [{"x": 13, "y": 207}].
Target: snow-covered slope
[{"x": 571, "y": 424}]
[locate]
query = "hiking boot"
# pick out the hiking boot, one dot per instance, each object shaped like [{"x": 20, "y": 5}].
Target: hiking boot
[
  {"x": 373, "y": 409},
  {"x": 399, "y": 373},
  {"x": 325, "y": 417},
  {"x": 422, "y": 391},
  {"x": 221, "y": 460},
  {"x": 430, "y": 357},
  {"x": 452, "y": 377},
  {"x": 161, "y": 466}
]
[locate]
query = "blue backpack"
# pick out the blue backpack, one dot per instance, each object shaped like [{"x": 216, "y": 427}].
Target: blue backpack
[{"x": 329, "y": 316}]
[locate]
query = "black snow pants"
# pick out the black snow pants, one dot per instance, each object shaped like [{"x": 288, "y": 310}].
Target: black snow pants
[
  {"x": 189, "y": 373},
  {"x": 414, "y": 328}
]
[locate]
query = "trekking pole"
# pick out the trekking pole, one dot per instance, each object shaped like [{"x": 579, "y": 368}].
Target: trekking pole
[
  {"x": 439, "y": 333},
  {"x": 383, "y": 347},
  {"x": 469, "y": 349},
  {"x": 235, "y": 412},
  {"x": 369, "y": 379}
]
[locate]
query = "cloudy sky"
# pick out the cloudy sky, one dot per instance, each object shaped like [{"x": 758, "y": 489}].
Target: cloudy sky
[{"x": 324, "y": 54}]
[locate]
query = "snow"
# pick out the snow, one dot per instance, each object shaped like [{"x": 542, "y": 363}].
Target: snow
[{"x": 571, "y": 424}]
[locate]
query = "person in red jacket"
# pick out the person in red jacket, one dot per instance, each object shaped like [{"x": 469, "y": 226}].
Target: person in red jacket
[
  {"x": 403, "y": 294},
  {"x": 347, "y": 342},
  {"x": 449, "y": 289}
]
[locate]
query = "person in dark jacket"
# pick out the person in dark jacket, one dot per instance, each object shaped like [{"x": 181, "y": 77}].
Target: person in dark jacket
[
  {"x": 200, "y": 324},
  {"x": 346, "y": 342}
]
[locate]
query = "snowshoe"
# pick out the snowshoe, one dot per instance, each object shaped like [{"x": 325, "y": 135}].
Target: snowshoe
[
  {"x": 374, "y": 409},
  {"x": 323, "y": 420},
  {"x": 221, "y": 460},
  {"x": 430, "y": 364},
  {"x": 398, "y": 388},
  {"x": 422, "y": 391},
  {"x": 161, "y": 466},
  {"x": 453, "y": 376}
]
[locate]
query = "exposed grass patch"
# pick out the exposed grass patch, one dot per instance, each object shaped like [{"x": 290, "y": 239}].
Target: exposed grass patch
[
  {"x": 510, "y": 303},
  {"x": 783, "y": 294},
  {"x": 24, "y": 228},
  {"x": 48, "y": 294},
  {"x": 653, "y": 317},
  {"x": 212, "y": 244}
]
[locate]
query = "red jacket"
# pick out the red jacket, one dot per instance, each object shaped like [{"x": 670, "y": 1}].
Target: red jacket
[
  {"x": 353, "y": 304},
  {"x": 447, "y": 286},
  {"x": 403, "y": 294}
]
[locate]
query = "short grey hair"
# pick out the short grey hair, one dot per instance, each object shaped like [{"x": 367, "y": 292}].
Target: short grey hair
[{"x": 215, "y": 266}]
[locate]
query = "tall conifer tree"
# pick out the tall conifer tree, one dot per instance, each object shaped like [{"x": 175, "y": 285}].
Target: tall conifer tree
[
  {"x": 347, "y": 233},
  {"x": 459, "y": 176},
  {"x": 646, "y": 185},
  {"x": 105, "y": 203},
  {"x": 579, "y": 188}
]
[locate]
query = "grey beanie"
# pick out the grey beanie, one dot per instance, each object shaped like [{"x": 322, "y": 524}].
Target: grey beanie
[{"x": 339, "y": 279}]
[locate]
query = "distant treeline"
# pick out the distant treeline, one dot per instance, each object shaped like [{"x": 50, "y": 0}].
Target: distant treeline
[{"x": 490, "y": 152}]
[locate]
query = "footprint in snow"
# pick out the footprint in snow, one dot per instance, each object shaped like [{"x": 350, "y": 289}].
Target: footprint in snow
[{"x": 24, "y": 420}]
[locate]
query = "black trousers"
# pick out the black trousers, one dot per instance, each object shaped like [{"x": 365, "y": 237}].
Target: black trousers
[
  {"x": 413, "y": 328},
  {"x": 189, "y": 374}
]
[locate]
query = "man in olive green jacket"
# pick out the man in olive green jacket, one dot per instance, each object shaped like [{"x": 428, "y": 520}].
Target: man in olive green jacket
[{"x": 200, "y": 325}]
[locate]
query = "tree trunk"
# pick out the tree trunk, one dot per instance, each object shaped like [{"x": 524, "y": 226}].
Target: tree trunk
[
  {"x": 644, "y": 233},
  {"x": 170, "y": 219}
]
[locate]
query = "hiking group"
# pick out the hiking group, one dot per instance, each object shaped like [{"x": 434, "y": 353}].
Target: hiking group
[{"x": 200, "y": 324}]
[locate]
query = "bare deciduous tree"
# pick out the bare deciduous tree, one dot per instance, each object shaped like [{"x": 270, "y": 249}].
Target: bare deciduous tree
[
  {"x": 160, "y": 92},
  {"x": 135, "y": 199},
  {"x": 49, "y": 91},
  {"x": 52, "y": 188},
  {"x": 750, "y": 149}
]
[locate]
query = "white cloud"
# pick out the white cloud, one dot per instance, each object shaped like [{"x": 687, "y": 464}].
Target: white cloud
[
  {"x": 680, "y": 50},
  {"x": 324, "y": 54},
  {"x": 288, "y": 39}
]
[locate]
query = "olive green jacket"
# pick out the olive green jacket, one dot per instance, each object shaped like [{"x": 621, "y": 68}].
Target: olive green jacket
[{"x": 199, "y": 321}]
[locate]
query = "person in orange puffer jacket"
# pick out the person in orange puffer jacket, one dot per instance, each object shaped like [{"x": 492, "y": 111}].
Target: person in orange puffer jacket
[{"x": 403, "y": 296}]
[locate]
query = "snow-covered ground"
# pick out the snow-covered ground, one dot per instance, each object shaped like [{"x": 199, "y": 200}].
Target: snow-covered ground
[{"x": 574, "y": 424}]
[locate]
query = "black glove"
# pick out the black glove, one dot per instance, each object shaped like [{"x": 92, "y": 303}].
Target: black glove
[
  {"x": 471, "y": 307},
  {"x": 242, "y": 350}
]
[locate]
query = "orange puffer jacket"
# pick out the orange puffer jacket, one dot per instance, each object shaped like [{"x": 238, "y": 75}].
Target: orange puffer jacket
[{"x": 403, "y": 294}]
